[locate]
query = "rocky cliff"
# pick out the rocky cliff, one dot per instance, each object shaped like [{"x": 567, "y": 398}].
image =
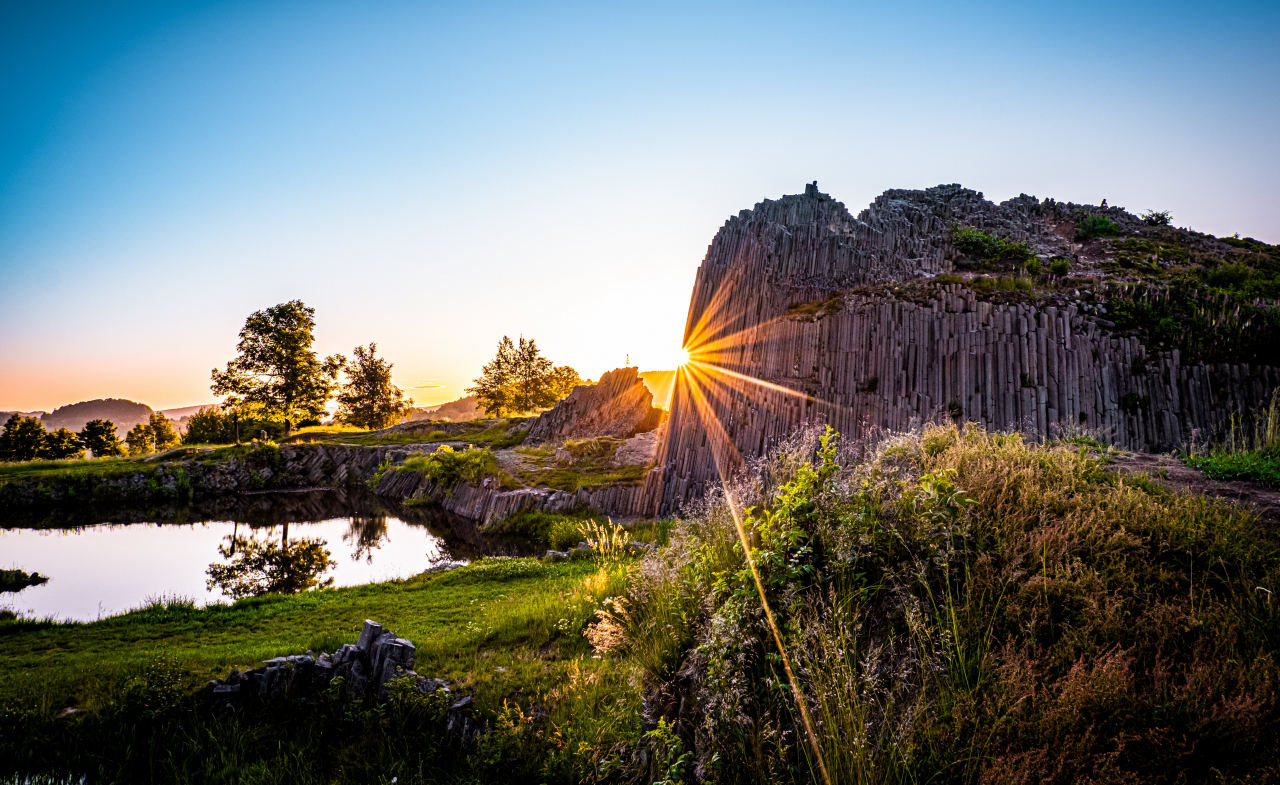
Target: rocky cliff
[
  {"x": 803, "y": 313},
  {"x": 619, "y": 405}
]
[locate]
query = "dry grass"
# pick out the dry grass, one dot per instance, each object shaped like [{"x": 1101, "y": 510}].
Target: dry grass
[{"x": 965, "y": 606}]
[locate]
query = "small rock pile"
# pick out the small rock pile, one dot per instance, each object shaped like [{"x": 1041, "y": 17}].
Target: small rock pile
[{"x": 366, "y": 667}]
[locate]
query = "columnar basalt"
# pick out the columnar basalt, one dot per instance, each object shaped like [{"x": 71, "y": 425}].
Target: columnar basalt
[{"x": 794, "y": 319}]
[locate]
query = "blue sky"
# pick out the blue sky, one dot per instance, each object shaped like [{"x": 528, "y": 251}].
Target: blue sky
[{"x": 433, "y": 176}]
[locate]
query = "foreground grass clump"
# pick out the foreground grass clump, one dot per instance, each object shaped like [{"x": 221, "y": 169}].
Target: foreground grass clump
[
  {"x": 958, "y": 606},
  {"x": 17, "y": 580},
  {"x": 507, "y": 629}
]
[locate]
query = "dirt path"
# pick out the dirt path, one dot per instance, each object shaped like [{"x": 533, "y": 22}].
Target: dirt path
[{"x": 1173, "y": 473}]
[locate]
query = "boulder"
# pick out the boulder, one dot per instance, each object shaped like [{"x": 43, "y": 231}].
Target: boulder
[{"x": 619, "y": 405}]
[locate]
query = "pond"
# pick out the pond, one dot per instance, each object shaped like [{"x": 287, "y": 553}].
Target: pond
[{"x": 102, "y": 562}]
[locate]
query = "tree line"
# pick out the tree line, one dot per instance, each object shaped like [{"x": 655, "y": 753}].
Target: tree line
[
  {"x": 277, "y": 382},
  {"x": 25, "y": 439}
]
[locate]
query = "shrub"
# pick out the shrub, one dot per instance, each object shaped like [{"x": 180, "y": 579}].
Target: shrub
[
  {"x": 1060, "y": 267},
  {"x": 987, "y": 247},
  {"x": 1034, "y": 267},
  {"x": 1095, "y": 225},
  {"x": 1154, "y": 218},
  {"x": 447, "y": 467}
]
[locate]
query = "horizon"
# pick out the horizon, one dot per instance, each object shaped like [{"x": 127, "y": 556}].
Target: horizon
[{"x": 431, "y": 178}]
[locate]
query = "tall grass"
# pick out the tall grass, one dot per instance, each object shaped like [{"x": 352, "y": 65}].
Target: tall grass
[
  {"x": 1249, "y": 449},
  {"x": 962, "y": 606}
]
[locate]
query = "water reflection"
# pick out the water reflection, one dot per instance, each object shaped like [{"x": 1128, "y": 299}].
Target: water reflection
[
  {"x": 108, "y": 559},
  {"x": 366, "y": 533},
  {"x": 259, "y": 566}
]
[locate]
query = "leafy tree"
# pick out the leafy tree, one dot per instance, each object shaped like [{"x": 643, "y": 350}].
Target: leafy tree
[
  {"x": 163, "y": 436},
  {"x": 368, "y": 399},
  {"x": 493, "y": 390},
  {"x": 257, "y": 567},
  {"x": 563, "y": 380},
  {"x": 208, "y": 426},
  {"x": 532, "y": 378},
  {"x": 276, "y": 374},
  {"x": 100, "y": 437},
  {"x": 520, "y": 379},
  {"x": 61, "y": 444},
  {"x": 23, "y": 439},
  {"x": 139, "y": 439}
]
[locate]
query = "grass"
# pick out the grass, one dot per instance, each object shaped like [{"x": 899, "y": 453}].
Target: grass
[
  {"x": 1241, "y": 455},
  {"x": 495, "y": 436},
  {"x": 989, "y": 248},
  {"x": 961, "y": 606},
  {"x": 509, "y": 629},
  {"x": 17, "y": 580},
  {"x": 447, "y": 467},
  {"x": 571, "y": 478},
  {"x": 105, "y": 467}
]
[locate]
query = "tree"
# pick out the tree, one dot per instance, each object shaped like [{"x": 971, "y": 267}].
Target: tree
[
  {"x": 163, "y": 436},
  {"x": 368, "y": 399},
  {"x": 23, "y": 439},
  {"x": 208, "y": 426},
  {"x": 533, "y": 374},
  {"x": 493, "y": 390},
  {"x": 257, "y": 567},
  {"x": 563, "y": 380},
  {"x": 62, "y": 444},
  {"x": 139, "y": 440},
  {"x": 276, "y": 373},
  {"x": 520, "y": 379},
  {"x": 101, "y": 439}
]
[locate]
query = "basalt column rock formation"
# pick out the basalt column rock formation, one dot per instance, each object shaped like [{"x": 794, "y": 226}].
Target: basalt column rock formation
[
  {"x": 799, "y": 315},
  {"x": 619, "y": 405}
]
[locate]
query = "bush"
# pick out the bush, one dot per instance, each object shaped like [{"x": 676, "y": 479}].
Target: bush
[
  {"x": 1034, "y": 267},
  {"x": 1153, "y": 218},
  {"x": 1094, "y": 225},
  {"x": 988, "y": 248},
  {"x": 447, "y": 467},
  {"x": 1060, "y": 267}
]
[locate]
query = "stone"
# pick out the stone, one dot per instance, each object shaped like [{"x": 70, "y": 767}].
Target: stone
[
  {"x": 556, "y": 555},
  {"x": 639, "y": 450},
  {"x": 368, "y": 634},
  {"x": 619, "y": 405},
  {"x": 797, "y": 317}
]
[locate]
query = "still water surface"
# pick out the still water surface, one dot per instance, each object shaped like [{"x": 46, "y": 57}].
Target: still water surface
[{"x": 107, "y": 568}]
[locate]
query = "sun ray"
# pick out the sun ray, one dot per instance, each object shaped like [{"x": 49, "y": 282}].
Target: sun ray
[{"x": 690, "y": 379}]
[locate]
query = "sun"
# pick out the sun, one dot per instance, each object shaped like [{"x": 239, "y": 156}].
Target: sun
[{"x": 684, "y": 356}]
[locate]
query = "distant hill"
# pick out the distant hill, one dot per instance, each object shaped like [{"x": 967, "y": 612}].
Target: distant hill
[
  {"x": 461, "y": 410},
  {"x": 4, "y": 416},
  {"x": 660, "y": 384},
  {"x": 124, "y": 414},
  {"x": 186, "y": 411}
]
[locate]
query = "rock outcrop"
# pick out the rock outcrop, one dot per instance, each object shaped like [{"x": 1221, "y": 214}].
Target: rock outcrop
[
  {"x": 367, "y": 668},
  {"x": 619, "y": 405},
  {"x": 796, "y": 318}
]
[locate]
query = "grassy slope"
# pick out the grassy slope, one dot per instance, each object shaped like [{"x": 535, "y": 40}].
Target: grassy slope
[
  {"x": 509, "y": 629},
  {"x": 464, "y": 623}
]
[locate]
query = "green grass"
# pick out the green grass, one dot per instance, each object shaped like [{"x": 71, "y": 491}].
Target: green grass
[
  {"x": 1260, "y": 466},
  {"x": 509, "y": 629},
  {"x": 571, "y": 478},
  {"x": 494, "y": 436},
  {"x": 17, "y": 580},
  {"x": 102, "y": 467}
]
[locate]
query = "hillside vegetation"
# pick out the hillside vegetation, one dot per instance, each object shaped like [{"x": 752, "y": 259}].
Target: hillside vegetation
[{"x": 949, "y": 605}]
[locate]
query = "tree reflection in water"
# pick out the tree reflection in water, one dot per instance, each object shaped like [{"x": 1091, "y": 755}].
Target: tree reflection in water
[
  {"x": 262, "y": 566},
  {"x": 366, "y": 532}
]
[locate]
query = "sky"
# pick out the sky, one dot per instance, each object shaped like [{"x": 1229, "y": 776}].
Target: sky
[{"x": 433, "y": 176}]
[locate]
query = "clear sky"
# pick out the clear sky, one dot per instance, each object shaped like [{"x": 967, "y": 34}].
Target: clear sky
[{"x": 431, "y": 176}]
